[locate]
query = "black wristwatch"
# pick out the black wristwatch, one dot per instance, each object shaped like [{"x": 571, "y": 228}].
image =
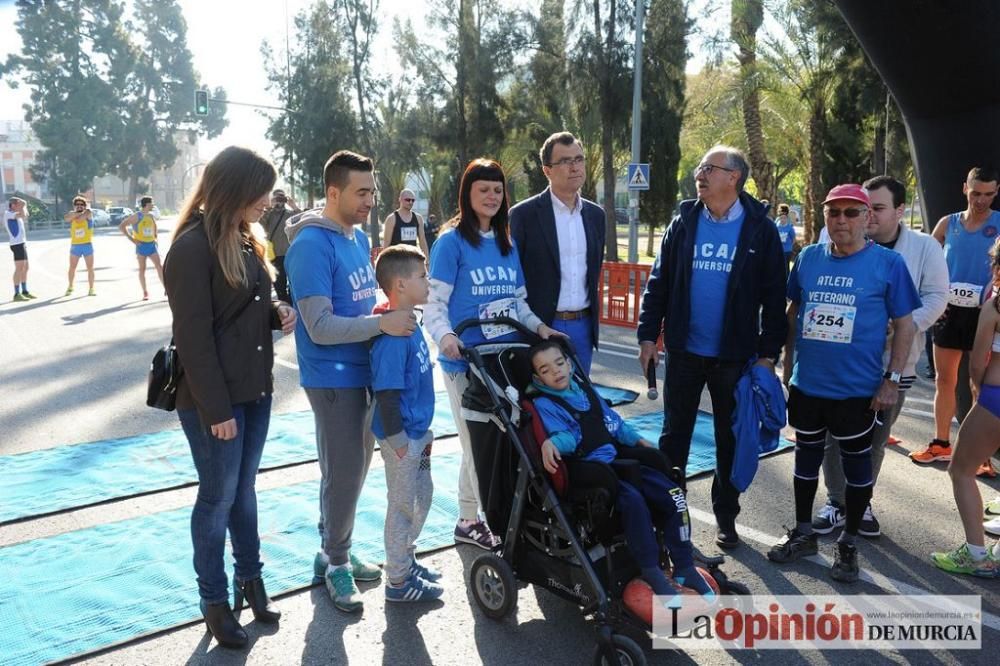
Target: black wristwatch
[{"x": 893, "y": 377}]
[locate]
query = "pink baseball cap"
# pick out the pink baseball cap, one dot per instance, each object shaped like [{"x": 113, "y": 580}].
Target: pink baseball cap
[{"x": 849, "y": 191}]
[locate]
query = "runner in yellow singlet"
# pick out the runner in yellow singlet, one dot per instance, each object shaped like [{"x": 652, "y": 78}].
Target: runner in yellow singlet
[
  {"x": 81, "y": 232},
  {"x": 140, "y": 228}
]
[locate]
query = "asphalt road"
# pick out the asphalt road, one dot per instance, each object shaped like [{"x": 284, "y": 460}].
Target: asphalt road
[{"x": 72, "y": 369}]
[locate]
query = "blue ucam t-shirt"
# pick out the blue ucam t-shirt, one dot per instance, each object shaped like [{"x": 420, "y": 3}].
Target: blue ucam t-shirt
[
  {"x": 485, "y": 286},
  {"x": 404, "y": 364},
  {"x": 322, "y": 261},
  {"x": 787, "y": 234},
  {"x": 714, "y": 249},
  {"x": 845, "y": 304}
]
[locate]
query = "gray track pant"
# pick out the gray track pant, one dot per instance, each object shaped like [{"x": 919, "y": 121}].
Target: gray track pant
[
  {"x": 409, "y": 488},
  {"x": 344, "y": 443}
]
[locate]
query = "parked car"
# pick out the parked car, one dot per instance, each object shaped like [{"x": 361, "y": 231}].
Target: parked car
[
  {"x": 119, "y": 213},
  {"x": 101, "y": 217}
]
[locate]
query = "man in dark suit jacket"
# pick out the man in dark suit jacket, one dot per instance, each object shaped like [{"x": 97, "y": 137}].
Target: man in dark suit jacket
[{"x": 560, "y": 240}]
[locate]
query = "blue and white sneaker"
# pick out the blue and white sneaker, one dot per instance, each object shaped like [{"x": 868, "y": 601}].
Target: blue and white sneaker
[
  {"x": 415, "y": 589},
  {"x": 427, "y": 573}
]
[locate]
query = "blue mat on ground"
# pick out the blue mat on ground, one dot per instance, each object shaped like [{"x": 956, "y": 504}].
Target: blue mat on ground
[
  {"x": 66, "y": 477},
  {"x": 82, "y": 591},
  {"x": 701, "y": 458}
]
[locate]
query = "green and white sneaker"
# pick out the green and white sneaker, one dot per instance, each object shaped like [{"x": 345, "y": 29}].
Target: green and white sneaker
[
  {"x": 992, "y": 508},
  {"x": 961, "y": 561},
  {"x": 340, "y": 585},
  {"x": 363, "y": 571}
]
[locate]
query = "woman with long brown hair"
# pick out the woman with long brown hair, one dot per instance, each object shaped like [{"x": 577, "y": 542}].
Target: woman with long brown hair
[
  {"x": 475, "y": 274},
  {"x": 219, "y": 288}
]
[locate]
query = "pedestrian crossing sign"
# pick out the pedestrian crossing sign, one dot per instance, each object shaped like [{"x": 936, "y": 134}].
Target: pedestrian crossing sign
[{"x": 638, "y": 176}]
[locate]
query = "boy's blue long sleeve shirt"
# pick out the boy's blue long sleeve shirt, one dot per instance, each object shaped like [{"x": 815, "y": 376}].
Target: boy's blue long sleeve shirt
[{"x": 565, "y": 432}]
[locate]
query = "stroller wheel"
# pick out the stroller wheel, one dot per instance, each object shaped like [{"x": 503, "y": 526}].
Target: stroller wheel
[
  {"x": 493, "y": 585},
  {"x": 628, "y": 651}
]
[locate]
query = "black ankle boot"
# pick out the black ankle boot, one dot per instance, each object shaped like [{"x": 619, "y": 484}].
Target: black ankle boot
[
  {"x": 262, "y": 607},
  {"x": 223, "y": 625}
]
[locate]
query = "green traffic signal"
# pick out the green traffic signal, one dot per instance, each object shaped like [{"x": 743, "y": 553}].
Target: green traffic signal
[{"x": 201, "y": 102}]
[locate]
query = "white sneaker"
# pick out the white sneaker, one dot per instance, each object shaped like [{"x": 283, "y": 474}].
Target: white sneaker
[{"x": 992, "y": 527}]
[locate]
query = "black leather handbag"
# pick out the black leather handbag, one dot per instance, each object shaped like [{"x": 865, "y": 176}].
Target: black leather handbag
[{"x": 164, "y": 375}]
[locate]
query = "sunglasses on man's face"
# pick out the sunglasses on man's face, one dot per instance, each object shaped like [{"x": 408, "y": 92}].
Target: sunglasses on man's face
[
  {"x": 409, "y": 200},
  {"x": 849, "y": 213}
]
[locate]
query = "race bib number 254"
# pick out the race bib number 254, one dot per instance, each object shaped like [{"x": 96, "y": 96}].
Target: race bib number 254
[{"x": 828, "y": 322}]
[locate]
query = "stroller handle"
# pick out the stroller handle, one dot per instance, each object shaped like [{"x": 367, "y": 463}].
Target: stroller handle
[{"x": 506, "y": 321}]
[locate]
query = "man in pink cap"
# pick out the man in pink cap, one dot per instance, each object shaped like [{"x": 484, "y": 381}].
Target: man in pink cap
[{"x": 843, "y": 296}]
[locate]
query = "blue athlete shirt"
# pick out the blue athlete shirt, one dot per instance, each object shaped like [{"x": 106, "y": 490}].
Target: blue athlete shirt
[
  {"x": 404, "y": 364},
  {"x": 845, "y": 304},
  {"x": 714, "y": 249},
  {"x": 968, "y": 259},
  {"x": 787, "y": 234},
  {"x": 324, "y": 262},
  {"x": 485, "y": 285}
]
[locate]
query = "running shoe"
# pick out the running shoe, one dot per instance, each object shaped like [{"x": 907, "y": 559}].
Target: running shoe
[
  {"x": 893, "y": 441},
  {"x": 91, "y": 292},
  {"x": 69, "y": 291},
  {"x": 845, "y": 564},
  {"x": 363, "y": 571},
  {"x": 992, "y": 507},
  {"x": 342, "y": 589},
  {"x": 829, "y": 518},
  {"x": 477, "y": 534},
  {"x": 366, "y": 572},
  {"x": 20, "y": 297},
  {"x": 961, "y": 561},
  {"x": 986, "y": 470},
  {"x": 414, "y": 589},
  {"x": 933, "y": 453},
  {"x": 145, "y": 295},
  {"x": 793, "y": 546},
  {"x": 869, "y": 526},
  {"x": 992, "y": 527},
  {"x": 427, "y": 573},
  {"x": 30, "y": 297}
]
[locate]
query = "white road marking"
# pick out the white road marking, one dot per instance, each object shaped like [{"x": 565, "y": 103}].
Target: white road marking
[
  {"x": 287, "y": 364},
  {"x": 885, "y": 583}
]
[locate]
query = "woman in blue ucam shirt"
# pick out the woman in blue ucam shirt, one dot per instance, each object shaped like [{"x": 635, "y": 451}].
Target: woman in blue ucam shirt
[{"x": 475, "y": 274}]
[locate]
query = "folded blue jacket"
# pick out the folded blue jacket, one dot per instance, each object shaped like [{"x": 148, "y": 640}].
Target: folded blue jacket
[{"x": 757, "y": 421}]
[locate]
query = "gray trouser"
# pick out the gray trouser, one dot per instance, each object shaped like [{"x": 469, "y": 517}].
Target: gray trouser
[
  {"x": 468, "y": 483},
  {"x": 344, "y": 443},
  {"x": 833, "y": 469},
  {"x": 409, "y": 488}
]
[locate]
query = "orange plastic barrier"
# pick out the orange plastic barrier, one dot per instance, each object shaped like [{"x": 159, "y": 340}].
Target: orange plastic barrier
[{"x": 619, "y": 291}]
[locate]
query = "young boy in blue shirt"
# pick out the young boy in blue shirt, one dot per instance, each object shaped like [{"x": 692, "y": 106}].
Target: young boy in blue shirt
[
  {"x": 581, "y": 424},
  {"x": 403, "y": 382}
]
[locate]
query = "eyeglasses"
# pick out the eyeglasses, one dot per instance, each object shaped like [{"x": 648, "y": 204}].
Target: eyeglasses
[
  {"x": 707, "y": 169},
  {"x": 566, "y": 161},
  {"x": 849, "y": 213}
]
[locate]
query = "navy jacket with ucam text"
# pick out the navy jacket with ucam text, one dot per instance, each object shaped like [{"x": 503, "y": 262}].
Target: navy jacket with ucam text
[{"x": 754, "y": 322}]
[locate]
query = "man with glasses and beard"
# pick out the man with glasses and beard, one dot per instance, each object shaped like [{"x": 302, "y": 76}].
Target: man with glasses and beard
[
  {"x": 404, "y": 226},
  {"x": 716, "y": 292}
]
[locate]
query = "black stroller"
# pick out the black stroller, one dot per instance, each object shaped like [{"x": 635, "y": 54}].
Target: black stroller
[{"x": 564, "y": 538}]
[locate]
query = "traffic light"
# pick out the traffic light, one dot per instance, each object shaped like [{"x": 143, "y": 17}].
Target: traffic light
[{"x": 201, "y": 102}]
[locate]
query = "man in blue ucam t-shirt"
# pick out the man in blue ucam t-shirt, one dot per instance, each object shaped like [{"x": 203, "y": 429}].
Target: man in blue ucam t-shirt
[
  {"x": 843, "y": 296},
  {"x": 716, "y": 292},
  {"x": 332, "y": 279}
]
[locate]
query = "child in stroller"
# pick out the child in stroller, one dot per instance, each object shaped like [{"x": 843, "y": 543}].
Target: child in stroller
[{"x": 581, "y": 425}]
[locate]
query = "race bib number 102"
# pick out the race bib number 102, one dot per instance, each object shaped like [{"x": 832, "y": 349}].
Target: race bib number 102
[{"x": 964, "y": 294}]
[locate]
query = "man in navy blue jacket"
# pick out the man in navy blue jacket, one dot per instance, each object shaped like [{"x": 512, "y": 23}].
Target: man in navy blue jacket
[
  {"x": 560, "y": 241},
  {"x": 717, "y": 291}
]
